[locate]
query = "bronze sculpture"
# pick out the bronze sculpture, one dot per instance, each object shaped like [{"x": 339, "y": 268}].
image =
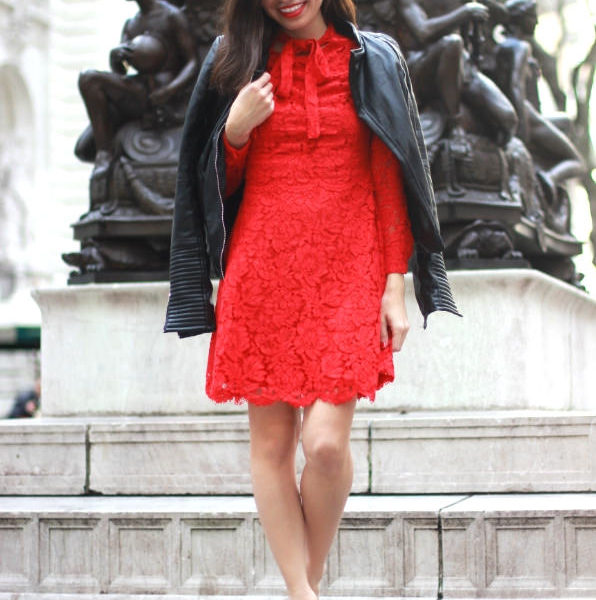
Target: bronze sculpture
[
  {"x": 133, "y": 140},
  {"x": 428, "y": 30},
  {"x": 499, "y": 166},
  {"x": 157, "y": 42},
  {"x": 516, "y": 72},
  {"x": 554, "y": 156}
]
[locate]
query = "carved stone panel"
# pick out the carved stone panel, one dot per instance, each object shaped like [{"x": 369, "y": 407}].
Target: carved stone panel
[
  {"x": 215, "y": 555},
  {"x": 508, "y": 539},
  {"x": 18, "y": 549},
  {"x": 141, "y": 555},
  {"x": 70, "y": 554},
  {"x": 363, "y": 556}
]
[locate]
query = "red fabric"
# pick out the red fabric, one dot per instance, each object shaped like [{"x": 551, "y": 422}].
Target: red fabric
[{"x": 322, "y": 220}]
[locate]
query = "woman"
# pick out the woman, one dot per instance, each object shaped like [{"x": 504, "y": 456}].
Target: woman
[{"x": 290, "y": 189}]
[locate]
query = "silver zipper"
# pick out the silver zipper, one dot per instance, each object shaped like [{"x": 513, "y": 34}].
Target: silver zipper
[{"x": 220, "y": 201}]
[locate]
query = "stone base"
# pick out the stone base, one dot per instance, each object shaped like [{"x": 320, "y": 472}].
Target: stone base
[
  {"x": 486, "y": 263},
  {"x": 511, "y": 546},
  {"x": 525, "y": 342},
  {"x": 113, "y": 276},
  {"x": 414, "y": 453}
]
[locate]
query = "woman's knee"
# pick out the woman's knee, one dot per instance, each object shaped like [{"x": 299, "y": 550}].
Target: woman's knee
[{"x": 327, "y": 453}]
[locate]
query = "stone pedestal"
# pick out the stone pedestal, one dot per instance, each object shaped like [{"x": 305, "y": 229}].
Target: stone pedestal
[
  {"x": 524, "y": 343},
  {"x": 138, "y": 482}
]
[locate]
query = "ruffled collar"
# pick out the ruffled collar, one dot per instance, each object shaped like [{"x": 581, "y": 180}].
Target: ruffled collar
[{"x": 316, "y": 71}]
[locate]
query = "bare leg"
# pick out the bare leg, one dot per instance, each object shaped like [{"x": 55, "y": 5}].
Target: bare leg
[
  {"x": 274, "y": 435},
  {"x": 98, "y": 89},
  {"x": 326, "y": 479},
  {"x": 438, "y": 74},
  {"x": 550, "y": 141},
  {"x": 490, "y": 103},
  {"x": 449, "y": 74}
]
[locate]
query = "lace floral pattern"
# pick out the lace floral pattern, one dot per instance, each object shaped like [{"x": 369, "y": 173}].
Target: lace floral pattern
[{"x": 322, "y": 220}]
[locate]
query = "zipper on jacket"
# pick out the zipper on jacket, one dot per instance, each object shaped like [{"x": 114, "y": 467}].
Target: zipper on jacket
[{"x": 221, "y": 201}]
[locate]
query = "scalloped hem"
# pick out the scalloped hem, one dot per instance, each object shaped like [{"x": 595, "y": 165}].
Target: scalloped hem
[{"x": 339, "y": 397}]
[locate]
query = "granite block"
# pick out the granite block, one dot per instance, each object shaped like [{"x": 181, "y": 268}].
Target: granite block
[
  {"x": 38, "y": 457},
  {"x": 483, "y": 452},
  {"x": 194, "y": 455}
]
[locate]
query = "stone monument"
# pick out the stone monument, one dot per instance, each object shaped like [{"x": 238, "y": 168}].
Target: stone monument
[
  {"x": 136, "y": 111},
  {"x": 499, "y": 166}
]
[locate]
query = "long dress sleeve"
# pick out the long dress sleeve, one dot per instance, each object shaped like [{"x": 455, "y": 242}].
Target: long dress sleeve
[
  {"x": 235, "y": 164},
  {"x": 393, "y": 223}
]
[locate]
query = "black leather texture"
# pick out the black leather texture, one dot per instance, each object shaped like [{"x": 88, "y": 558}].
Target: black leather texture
[{"x": 384, "y": 100}]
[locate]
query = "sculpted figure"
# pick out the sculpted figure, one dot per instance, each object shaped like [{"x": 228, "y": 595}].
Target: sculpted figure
[
  {"x": 136, "y": 111},
  {"x": 441, "y": 66},
  {"x": 520, "y": 20},
  {"x": 583, "y": 77},
  {"x": 516, "y": 71},
  {"x": 203, "y": 18},
  {"x": 498, "y": 165},
  {"x": 158, "y": 44}
]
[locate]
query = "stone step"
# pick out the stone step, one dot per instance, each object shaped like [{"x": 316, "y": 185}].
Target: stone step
[
  {"x": 42, "y": 596},
  {"x": 58, "y": 596},
  {"x": 491, "y": 546},
  {"x": 432, "y": 452}
]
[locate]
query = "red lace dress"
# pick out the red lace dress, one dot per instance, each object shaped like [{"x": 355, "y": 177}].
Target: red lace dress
[{"x": 322, "y": 221}]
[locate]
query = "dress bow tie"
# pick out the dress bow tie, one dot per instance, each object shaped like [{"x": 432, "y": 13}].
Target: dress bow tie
[{"x": 316, "y": 70}]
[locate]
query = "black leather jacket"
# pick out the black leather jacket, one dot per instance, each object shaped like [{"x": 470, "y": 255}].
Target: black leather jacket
[{"x": 384, "y": 100}]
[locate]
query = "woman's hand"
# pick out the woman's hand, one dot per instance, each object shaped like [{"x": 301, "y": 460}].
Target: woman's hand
[
  {"x": 393, "y": 312},
  {"x": 253, "y": 104}
]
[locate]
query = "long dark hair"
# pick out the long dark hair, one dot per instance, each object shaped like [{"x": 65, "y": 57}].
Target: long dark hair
[{"x": 248, "y": 31}]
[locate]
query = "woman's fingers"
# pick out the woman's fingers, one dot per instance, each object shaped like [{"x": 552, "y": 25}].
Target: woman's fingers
[
  {"x": 394, "y": 317},
  {"x": 384, "y": 331},
  {"x": 398, "y": 334},
  {"x": 263, "y": 79},
  {"x": 393, "y": 327},
  {"x": 253, "y": 104},
  {"x": 262, "y": 82}
]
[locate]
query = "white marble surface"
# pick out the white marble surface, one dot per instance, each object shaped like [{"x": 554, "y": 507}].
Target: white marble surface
[
  {"x": 524, "y": 504},
  {"x": 221, "y": 505},
  {"x": 497, "y": 546},
  {"x": 489, "y": 452},
  {"x": 41, "y": 458},
  {"x": 524, "y": 343},
  {"x": 442, "y": 452},
  {"x": 206, "y": 456}
]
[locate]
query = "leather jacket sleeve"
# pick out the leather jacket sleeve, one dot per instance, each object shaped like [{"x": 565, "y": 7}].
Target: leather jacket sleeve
[
  {"x": 431, "y": 285},
  {"x": 189, "y": 302}
]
